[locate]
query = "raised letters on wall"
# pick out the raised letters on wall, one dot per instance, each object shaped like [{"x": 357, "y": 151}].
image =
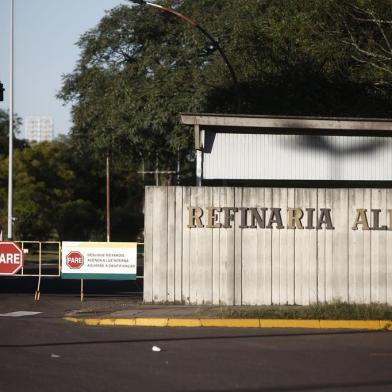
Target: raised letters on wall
[{"x": 276, "y": 218}]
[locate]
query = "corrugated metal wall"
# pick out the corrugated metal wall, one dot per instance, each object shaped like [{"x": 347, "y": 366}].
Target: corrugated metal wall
[
  {"x": 266, "y": 266},
  {"x": 296, "y": 157}
]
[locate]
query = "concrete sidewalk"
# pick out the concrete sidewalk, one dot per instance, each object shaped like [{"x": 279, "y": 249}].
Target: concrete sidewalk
[
  {"x": 140, "y": 310},
  {"x": 107, "y": 310}
]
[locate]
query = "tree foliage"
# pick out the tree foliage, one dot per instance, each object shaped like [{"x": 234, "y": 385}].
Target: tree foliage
[
  {"x": 140, "y": 67},
  {"x": 368, "y": 32},
  {"x": 45, "y": 186},
  {"x": 4, "y": 132},
  {"x": 61, "y": 195}
]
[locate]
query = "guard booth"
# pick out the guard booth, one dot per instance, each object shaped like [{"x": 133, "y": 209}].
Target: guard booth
[{"x": 288, "y": 210}]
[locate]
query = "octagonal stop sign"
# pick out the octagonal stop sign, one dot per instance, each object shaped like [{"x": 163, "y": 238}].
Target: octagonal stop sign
[
  {"x": 11, "y": 258},
  {"x": 74, "y": 260}
]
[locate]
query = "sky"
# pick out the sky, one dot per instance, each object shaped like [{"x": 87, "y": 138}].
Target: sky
[{"x": 45, "y": 36}]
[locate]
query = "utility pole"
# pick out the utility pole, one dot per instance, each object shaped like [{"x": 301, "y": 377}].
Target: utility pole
[
  {"x": 108, "y": 197},
  {"x": 11, "y": 123}
]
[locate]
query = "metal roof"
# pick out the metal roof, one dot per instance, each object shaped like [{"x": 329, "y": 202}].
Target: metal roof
[{"x": 287, "y": 122}]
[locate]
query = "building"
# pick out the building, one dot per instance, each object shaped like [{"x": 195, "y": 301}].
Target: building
[
  {"x": 39, "y": 128},
  {"x": 288, "y": 210},
  {"x": 270, "y": 150}
]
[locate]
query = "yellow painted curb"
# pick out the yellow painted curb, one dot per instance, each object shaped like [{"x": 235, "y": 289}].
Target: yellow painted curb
[
  {"x": 231, "y": 323},
  {"x": 279, "y": 323},
  {"x": 125, "y": 322},
  {"x": 184, "y": 323},
  {"x": 238, "y": 323},
  {"x": 386, "y": 324},
  {"x": 350, "y": 324},
  {"x": 72, "y": 319},
  {"x": 151, "y": 322},
  {"x": 107, "y": 322},
  {"x": 92, "y": 321},
  {"x": 333, "y": 324},
  {"x": 364, "y": 324}
]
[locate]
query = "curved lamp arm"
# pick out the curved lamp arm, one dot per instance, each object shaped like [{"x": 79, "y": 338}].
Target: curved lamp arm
[{"x": 215, "y": 43}]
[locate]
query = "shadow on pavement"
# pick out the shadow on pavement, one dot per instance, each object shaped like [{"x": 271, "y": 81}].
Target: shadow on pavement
[
  {"x": 311, "y": 387},
  {"x": 26, "y": 285},
  {"x": 192, "y": 338}
]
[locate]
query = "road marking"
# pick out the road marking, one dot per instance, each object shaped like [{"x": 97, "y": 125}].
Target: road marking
[{"x": 21, "y": 313}]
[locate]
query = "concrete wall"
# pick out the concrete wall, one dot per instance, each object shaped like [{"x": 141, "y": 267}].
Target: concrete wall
[{"x": 256, "y": 266}]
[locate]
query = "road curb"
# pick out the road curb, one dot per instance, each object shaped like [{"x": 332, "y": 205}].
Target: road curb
[{"x": 235, "y": 323}]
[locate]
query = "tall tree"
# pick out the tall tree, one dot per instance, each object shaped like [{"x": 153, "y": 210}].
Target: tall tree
[
  {"x": 4, "y": 132},
  {"x": 368, "y": 32},
  {"x": 48, "y": 197},
  {"x": 139, "y": 68}
]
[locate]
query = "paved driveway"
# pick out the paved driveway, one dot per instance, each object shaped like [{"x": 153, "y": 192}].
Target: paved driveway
[{"x": 44, "y": 353}]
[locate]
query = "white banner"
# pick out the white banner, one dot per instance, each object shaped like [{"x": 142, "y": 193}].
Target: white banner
[{"x": 99, "y": 260}]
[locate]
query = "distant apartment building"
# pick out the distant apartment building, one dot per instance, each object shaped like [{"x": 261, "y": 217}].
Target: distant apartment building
[{"x": 39, "y": 128}]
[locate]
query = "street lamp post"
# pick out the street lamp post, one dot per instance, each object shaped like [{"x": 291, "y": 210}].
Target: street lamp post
[
  {"x": 108, "y": 230},
  {"x": 215, "y": 43},
  {"x": 11, "y": 123}
]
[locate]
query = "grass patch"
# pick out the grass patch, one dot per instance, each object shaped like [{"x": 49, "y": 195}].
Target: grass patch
[{"x": 332, "y": 311}]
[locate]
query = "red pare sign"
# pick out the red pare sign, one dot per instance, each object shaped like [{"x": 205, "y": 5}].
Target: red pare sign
[
  {"x": 11, "y": 258},
  {"x": 74, "y": 260}
]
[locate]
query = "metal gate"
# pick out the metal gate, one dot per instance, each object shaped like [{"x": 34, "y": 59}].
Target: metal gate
[{"x": 42, "y": 259}]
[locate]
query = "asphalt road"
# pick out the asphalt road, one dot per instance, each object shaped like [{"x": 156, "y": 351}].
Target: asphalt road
[
  {"x": 17, "y": 284},
  {"x": 44, "y": 353}
]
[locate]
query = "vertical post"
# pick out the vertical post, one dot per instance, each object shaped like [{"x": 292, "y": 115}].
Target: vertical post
[
  {"x": 199, "y": 142},
  {"x": 199, "y": 167},
  {"x": 178, "y": 165},
  {"x": 108, "y": 197},
  {"x": 38, "y": 293},
  {"x": 81, "y": 291},
  {"x": 11, "y": 122},
  {"x": 156, "y": 171}
]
